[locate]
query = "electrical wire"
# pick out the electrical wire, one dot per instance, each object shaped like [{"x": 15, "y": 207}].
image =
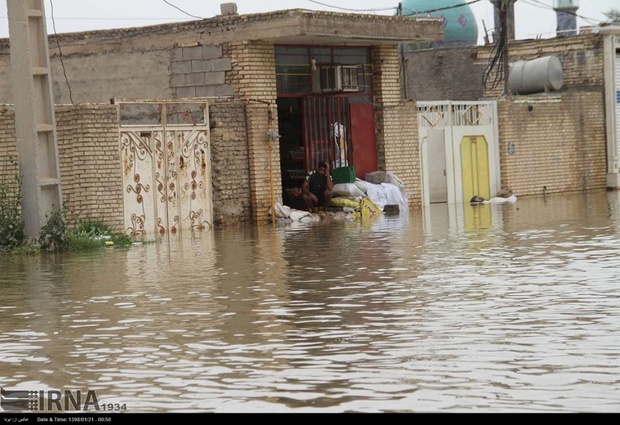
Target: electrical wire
[
  {"x": 181, "y": 10},
  {"x": 493, "y": 73},
  {"x": 62, "y": 62},
  {"x": 351, "y": 10},
  {"x": 538, "y": 3},
  {"x": 534, "y": 3}
]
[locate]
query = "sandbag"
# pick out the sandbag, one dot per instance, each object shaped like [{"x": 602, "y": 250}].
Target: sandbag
[
  {"x": 342, "y": 201},
  {"x": 347, "y": 189}
]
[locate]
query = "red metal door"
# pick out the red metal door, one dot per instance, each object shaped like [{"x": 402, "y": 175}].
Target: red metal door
[{"x": 363, "y": 139}]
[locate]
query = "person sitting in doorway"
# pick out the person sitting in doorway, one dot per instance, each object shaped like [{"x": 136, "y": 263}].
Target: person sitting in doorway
[{"x": 317, "y": 187}]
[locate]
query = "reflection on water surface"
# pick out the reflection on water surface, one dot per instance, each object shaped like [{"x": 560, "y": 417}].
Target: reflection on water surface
[{"x": 448, "y": 309}]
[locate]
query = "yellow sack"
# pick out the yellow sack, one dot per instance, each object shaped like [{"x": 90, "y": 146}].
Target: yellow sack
[
  {"x": 341, "y": 201},
  {"x": 369, "y": 209}
]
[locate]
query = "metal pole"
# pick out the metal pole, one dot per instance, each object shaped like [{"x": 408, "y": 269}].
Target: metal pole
[
  {"x": 272, "y": 136},
  {"x": 271, "y": 184}
]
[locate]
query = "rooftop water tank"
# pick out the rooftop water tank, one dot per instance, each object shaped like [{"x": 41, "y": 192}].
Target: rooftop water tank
[{"x": 535, "y": 75}]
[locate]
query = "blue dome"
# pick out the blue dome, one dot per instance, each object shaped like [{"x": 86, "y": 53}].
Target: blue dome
[{"x": 459, "y": 22}]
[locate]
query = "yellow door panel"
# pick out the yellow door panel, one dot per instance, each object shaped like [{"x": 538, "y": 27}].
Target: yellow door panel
[{"x": 475, "y": 167}]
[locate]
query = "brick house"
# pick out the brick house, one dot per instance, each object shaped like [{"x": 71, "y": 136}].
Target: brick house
[
  {"x": 320, "y": 85},
  {"x": 554, "y": 141},
  {"x": 309, "y": 79}
]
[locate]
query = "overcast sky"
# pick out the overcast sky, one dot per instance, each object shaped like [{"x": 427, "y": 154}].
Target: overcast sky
[{"x": 534, "y": 18}]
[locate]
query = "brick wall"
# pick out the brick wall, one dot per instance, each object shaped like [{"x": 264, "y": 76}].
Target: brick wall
[
  {"x": 230, "y": 163},
  {"x": 253, "y": 78},
  {"x": 8, "y": 149},
  {"x": 396, "y": 123},
  {"x": 90, "y": 163},
  {"x": 89, "y": 160},
  {"x": 559, "y": 137},
  {"x": 402, "y": 148},
  {"x": 559, "y": 143}
]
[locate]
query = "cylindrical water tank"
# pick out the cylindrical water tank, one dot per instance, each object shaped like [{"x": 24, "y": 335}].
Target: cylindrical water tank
[{"x": 535, "y": 75}]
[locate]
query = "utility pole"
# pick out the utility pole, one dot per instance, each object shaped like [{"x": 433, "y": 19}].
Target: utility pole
[
  {"x": 35, "y": 124},
  {"x": 503, "y": 17},
  {"x": 510, "y": 10},
  {"x": 504, "y": 13}
]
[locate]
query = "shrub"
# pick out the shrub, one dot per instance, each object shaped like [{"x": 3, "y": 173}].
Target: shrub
[
  {"x": 12, "y": 232},
  {"x": 54, "y": 236}
]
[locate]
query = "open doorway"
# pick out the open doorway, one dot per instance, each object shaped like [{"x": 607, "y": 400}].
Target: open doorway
[
  {"x": 336, "y": 129},
  {"x": 292, "y": 153}
]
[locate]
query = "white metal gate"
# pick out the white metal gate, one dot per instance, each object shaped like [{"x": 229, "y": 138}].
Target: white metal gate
[
  {"x": 166, "y": 166},
  {"x": 448, "y": 124}
]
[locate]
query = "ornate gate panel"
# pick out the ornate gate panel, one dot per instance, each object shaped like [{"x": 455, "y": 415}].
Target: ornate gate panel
[
  {"x": 166, "y": 167},
  {"x": 192, "y": 169},
  {"x": 138, "y": 161}
]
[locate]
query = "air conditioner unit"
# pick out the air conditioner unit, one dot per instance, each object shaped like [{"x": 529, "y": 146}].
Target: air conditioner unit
[{"x": 339, "y": 78}]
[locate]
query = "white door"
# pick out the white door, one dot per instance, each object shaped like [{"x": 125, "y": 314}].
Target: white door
[
  {"x": 437, "y": 182},
  {"x": 442, "y": 128}
]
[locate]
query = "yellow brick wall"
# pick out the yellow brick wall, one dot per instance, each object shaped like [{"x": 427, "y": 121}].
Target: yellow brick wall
[
  {"x": 396, "y": 124},
  {"x": 229, "y": 163},
  {"x": 90, "y": 171},
  {"x": 90, "y": 167},
  {"x": 253, "y": 78},
  {"x": 9, "y": 167},
  {"x": 559, "y": 143}
]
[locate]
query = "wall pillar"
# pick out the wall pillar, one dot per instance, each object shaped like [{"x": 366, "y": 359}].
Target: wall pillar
[
  {"x": 254, "y": 80},
  {"x": 397, "y": 128}
]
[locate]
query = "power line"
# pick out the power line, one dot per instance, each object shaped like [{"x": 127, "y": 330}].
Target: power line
[
  {"x": 496, "y": 70},
  {"x": 181, "y": 10},
  {"x": 533, "y": 3},
  {"x": 62, "y": 62},
  {"x": 538, "y": 3},
  {"x": 352, "y": 10}
]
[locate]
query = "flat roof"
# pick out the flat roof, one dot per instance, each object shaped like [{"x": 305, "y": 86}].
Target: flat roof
[{"x": 291, "y": 26}]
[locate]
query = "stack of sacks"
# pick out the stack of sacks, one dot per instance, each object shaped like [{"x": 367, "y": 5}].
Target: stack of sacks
[
  {"x": 383, "y": 194},
  {"x": 388, "y": 190},
  {"x": 346, "y": 195}
]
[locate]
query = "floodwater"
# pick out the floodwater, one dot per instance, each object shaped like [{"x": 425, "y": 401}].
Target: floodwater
[{"x": 496, "y": 308}]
